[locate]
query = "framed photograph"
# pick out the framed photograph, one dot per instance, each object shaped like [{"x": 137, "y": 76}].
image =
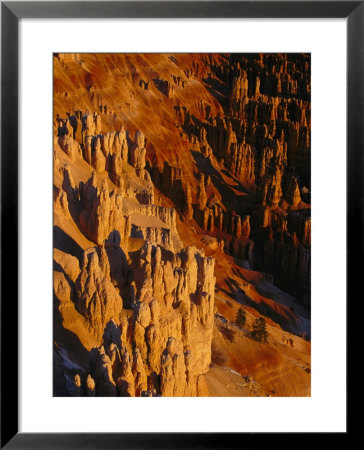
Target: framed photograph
[{"x": 180, "y": 193}]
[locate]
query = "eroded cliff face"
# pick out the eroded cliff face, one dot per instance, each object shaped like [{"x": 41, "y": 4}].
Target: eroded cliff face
[
  {"x": 171, "y": 171},
  {"x": 263, "y": 140},
  {"x": 146, "y": 313},
  {"x": 161, "y": 345}
]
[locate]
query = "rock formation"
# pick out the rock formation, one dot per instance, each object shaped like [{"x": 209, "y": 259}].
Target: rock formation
[
  {"x": 97, "y": 299},
  {"x": 178, "y": 177},
  {"x": 102, "y": 211}
]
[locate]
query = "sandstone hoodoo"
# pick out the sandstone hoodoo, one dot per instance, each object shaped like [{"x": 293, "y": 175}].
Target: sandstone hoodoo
[{"x": 181, "y": 203}]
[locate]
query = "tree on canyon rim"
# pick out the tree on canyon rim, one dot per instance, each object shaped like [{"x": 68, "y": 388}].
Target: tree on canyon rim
[
  {"x": 260, "y": 332},
  {"x": 241, "y": 317}
]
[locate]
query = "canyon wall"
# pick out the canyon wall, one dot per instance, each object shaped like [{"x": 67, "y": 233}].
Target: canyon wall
[{"x": 167, "y": 169}]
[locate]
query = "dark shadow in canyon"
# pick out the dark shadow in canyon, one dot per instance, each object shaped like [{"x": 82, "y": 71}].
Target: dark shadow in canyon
[
  {"x": 112, "y": 335},
  {"x": 120, "y": 271},
  {"x": 65, "y": 243},
  {"x": 71, "y": 344}
]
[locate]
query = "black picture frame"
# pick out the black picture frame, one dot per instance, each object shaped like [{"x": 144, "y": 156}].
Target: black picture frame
[{"x": 11, "y": 12}]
